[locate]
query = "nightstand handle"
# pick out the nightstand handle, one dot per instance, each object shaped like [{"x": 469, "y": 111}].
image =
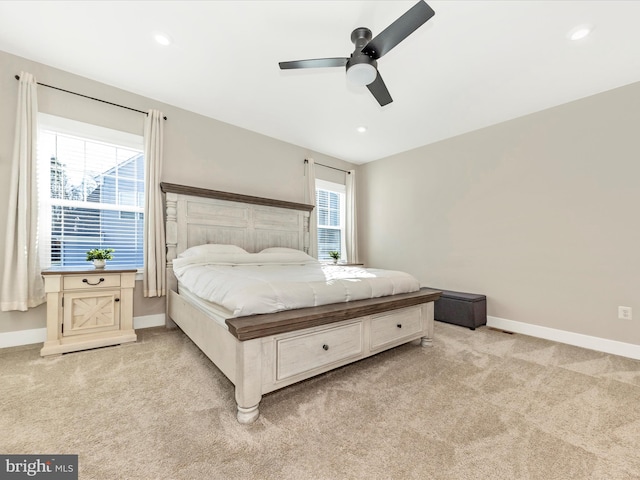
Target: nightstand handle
[
  {"x": 84, "y": 280},
  {"x": 117, "y": 299}
]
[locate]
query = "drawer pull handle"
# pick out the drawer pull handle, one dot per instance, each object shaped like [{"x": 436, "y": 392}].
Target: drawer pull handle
[
  {"x": 117, "y": 299},
  {"x": 84, "y": 280},
  {"x": 325, "y": 347},
  {"x": 399, "y": 325}
]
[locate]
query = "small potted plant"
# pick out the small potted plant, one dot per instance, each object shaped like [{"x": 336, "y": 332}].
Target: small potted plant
[
  {"x": 99, "y": 256},
  {"x": 335, "y": 255}
]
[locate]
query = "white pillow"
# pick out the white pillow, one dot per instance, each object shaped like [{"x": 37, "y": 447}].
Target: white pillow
[
  {"x": 280, "y": 250},
  {"x": 211, "y": 248}
]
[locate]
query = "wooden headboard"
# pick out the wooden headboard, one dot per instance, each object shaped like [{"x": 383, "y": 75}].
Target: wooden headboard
[{"x": 196, "y": 216}]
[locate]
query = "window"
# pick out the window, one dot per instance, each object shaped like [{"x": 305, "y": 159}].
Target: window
[
  {"x": 330, "y": 205},
  {"x": 91, "y": 193}
]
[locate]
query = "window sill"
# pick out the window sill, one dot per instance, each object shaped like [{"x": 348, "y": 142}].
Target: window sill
[{"x": 344, "y": 264}]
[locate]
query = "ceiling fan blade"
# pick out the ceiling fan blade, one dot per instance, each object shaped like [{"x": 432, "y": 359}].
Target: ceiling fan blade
[
  {"x": 314, "y": 63},
  {"x": 399, "y": 30},
  {"x": 379, "y": 91}
]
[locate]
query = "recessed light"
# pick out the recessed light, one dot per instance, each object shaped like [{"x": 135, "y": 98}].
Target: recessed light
[
  {"x": 579, "y": 32},
  {"x": 361, "y": 129},
  {"x": 162, "y": 39}
]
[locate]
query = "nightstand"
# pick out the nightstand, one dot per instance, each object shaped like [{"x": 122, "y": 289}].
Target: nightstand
[{"x": 88, "y": 308}]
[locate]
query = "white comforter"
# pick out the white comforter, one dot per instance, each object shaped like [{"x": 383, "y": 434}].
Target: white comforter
[{"x": 252, "y": 283}]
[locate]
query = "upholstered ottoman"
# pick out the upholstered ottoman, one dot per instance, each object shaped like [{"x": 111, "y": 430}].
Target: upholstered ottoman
[{"x": 464, "y": 309}]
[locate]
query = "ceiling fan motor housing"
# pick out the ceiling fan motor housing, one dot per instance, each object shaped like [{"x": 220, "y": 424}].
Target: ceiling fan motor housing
[
  {"x": 358, "y": 58},
  {"x": 366, "y": 67}
]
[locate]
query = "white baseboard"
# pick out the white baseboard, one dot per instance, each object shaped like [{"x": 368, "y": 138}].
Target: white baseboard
[
  {"x": 149, "y": 321},
  {"x": 39, "y": 335},
  {"x": 23, "y": 337},
  {"x": 576, "y": 339}
]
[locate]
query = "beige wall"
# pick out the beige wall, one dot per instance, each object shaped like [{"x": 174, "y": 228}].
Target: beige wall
[
  {"x": 541, "y": 214},
  {"x": 199, "y": 151}
]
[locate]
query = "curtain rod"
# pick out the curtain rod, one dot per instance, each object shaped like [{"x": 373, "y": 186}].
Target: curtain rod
[
  {"x": 91, "y": 98},
  {"x": 329, "y": 166}
]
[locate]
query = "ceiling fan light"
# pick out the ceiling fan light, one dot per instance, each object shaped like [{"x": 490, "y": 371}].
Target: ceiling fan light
[{"x": 361, "y": 74}]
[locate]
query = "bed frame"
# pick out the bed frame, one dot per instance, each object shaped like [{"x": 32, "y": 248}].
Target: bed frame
[{"x": 263, "y": 353}]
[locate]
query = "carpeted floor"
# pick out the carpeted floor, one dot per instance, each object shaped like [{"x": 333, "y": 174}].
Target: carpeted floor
[{"x": 477, "y": 405}]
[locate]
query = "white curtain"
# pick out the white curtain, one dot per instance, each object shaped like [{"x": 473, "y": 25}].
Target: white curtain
[
  {"x": 22, "y": 285},
  {"x": 154, "y": 243},
  {"x": 310, "y": 199},
  {"x": 351, "y": 223}
]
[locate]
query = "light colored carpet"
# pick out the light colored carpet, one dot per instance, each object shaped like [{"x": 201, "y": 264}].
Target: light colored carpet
[{"x": 477, "y": 405}]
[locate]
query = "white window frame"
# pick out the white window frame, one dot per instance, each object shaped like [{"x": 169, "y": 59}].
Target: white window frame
[
  {"x": 87, "y": 131},
  {"x": 342, "y": 191}
]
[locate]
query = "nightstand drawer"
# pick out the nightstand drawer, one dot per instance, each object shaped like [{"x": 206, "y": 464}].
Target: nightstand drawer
[{"x": 91, "y": 281}]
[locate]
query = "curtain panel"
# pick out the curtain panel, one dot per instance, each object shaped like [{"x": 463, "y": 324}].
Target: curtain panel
[
  {"x": 154, "y": 239},
  {"x": 351, "y": 221},
  {"x": 22, "y": 284},
  {"x": 310, "y": 199}
]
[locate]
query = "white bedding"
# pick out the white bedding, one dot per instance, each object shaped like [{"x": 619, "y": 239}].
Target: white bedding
[{"x": 272, "y": 281}]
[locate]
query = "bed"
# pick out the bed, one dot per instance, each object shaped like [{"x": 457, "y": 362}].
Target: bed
[{"x": 263, "y": 352}]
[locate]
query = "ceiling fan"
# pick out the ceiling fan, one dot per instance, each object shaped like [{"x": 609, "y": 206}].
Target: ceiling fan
[{"x": 362, "y": 65}]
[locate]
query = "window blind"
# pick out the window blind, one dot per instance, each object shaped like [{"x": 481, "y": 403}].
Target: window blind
[
  {"x": 330, "y": 211},
  {"x": 91, "y": 196}
]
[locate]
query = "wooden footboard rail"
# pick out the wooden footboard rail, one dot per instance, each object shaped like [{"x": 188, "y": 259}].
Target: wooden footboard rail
[{"x": 257, "y": 326}]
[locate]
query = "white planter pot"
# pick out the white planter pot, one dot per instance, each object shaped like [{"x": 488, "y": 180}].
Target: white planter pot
[{"x": 99, "y": 263}]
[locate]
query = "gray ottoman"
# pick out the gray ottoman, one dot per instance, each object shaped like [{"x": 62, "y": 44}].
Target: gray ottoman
[{"x": 464, "y": 309}]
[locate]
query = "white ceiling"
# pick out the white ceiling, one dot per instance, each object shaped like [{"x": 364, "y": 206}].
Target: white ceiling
[{"x": 474, "y": 64}]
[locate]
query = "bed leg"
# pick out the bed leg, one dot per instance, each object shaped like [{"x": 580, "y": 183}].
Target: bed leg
[
  {"x": 248, "y": 415},
  {"x": 248, "y": 379},
  {"x": 427, "y": 315}
]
